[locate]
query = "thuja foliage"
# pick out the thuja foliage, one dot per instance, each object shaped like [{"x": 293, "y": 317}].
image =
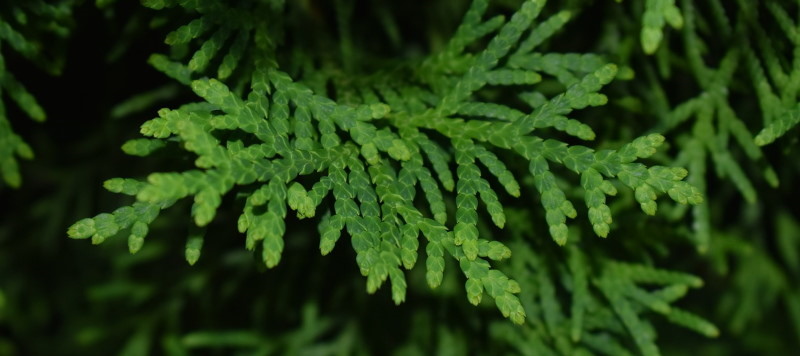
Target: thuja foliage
[
  {"x": 489, "y": 152},
  {"x": 370, "y": 153}
]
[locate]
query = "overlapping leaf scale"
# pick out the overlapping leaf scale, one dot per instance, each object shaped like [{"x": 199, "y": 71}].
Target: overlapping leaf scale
[
  {"x": 136, "y": 217},
  {"x": 657, "y": 13}
]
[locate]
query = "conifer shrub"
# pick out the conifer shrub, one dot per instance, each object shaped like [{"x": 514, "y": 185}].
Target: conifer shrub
[{"x": 381, "y": 177}]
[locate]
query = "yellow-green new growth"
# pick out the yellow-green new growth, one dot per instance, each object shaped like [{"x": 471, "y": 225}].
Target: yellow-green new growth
[{"x": 656, "y": 14}]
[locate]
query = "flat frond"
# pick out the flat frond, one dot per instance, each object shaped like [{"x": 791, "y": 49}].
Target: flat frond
[{"x": 282, "y": 145}]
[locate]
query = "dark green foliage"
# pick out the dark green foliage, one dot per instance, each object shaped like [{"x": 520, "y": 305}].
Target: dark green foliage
[
  {"x": 26, "y": 27},
  {"x": 478, "y": 156}
]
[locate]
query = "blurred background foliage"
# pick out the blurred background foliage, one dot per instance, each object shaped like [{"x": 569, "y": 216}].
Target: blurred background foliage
[{"x": 65, "y": 297}]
